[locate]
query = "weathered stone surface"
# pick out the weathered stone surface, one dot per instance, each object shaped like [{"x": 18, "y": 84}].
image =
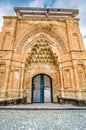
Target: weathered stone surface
[
  {"x": 43, "y": 119},
  {"x": 51, "y": 46}
]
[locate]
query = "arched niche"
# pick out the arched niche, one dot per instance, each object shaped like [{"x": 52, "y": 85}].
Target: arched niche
[
  {"x": 6, "y": 41},
  {"x": 81, "y": 77},
  {"x": 75, "y": 42}
]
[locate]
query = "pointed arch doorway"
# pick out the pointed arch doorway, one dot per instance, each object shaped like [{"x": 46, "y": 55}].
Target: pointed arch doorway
[{"x": 41, "y": 89}]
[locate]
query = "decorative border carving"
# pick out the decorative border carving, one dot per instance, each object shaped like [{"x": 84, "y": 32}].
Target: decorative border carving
[{"x": 48, "y": 29}]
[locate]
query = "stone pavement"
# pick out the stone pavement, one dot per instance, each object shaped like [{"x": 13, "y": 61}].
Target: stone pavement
[
  {"x": 43, "y": 106},
  {"x": 39, "y": 119}
]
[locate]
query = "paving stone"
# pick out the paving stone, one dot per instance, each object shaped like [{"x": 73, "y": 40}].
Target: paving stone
[{"x": 43, "y": 120}]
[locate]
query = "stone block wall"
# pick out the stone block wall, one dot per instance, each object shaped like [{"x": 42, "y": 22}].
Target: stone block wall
[{"x": 32, "y": 46}]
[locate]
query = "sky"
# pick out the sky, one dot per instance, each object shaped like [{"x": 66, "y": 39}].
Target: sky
[{"x": 7, "y": 9}]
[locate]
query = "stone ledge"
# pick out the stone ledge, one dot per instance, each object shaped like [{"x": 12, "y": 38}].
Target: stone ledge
[
  {"x": 13, "y": 101},
  {"x": 78, "y": 102}
]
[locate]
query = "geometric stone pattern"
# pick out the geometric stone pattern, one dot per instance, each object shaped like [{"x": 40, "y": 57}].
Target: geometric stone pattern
[{"x": 41, "y": 53}]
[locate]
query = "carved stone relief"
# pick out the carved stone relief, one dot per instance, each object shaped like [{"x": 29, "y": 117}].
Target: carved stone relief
[
  {"x": 16, "y": 79},
  {"x": 2, "y": 76},
  {"x": 7, "y": 41},
  {"x": 2, "y": 62},
  {"x": 67, "y": 79},
  {"x": 47, "y": 30},
  {"x": 43, "y": 47},
  {"x": 81, "y": 77},
  {"x": 42, "y": 55},
  {"x": 2, "y": 55},
  {"x": 7, "y": 21},
  {"x": 75, "y": 42}
]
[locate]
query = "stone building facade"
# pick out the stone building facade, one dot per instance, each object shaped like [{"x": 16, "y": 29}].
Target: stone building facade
[{"x": 46, "y": 50}]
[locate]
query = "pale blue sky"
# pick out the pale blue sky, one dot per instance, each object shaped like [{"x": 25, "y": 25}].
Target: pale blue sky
[{"x": 7, "y": 8}]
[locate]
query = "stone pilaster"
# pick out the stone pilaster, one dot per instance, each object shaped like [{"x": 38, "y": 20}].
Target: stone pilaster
[
  {"x": 61, "y": 77},
  {"x": 5, "y": 88},
  {"x": 62, "y": 85},
  {"x": 78, "y": 92},
  {"x": 22, "y": 81}
]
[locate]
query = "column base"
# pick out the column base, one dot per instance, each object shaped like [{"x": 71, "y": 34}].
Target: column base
[
  {"x": 79, "y": 95},
  {"x": 77, "y": 102},
  {"x": 62, "y": 94},
  {"x": 3, "y": 94},
  {"x": 29, "y": 100},
  {"x": 13, "y": 101}
]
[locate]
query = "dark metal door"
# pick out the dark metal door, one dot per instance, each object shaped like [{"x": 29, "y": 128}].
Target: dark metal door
[{"x": 41, "y": 89}]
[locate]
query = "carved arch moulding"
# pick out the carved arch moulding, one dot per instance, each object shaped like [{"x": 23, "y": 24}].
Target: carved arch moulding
[
  {"x": 40, "y": 40},
  {"x": 58, "y": 38}
]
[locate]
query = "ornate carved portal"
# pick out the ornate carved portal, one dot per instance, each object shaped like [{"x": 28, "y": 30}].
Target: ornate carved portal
[
  {"x": 42, "y": 46},
  {"x": 41, "y": 60}
]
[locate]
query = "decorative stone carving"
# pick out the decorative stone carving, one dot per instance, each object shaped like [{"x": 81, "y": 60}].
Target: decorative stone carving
[
  {"x": 7, "y": 41},
  {"x": 3, "y": 53},
  {"x": 42, "y": 54},
  {"x": 47, "y": 30},
  {"x": 45, "y": 47},
  {"x": 81, "y": 77},
  {"x": 67, "y": 79},
  {"x": 2, "y": 62},
  {"x": 72, "y": 21},
  {"x": 15, "y": 79},
  {"x": 2, "y": 75},
  {"x": 75, "y": 42},
  {"x": 48, "y": 27},
  {"x": 7, "y": 21}
]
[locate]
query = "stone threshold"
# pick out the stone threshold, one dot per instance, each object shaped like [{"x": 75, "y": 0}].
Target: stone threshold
[
  {"x": 44, "y": 106},
  {"x": 42, "y": 109}
]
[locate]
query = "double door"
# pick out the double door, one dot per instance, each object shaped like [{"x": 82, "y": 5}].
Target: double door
[{"x": 41, "y": 89}]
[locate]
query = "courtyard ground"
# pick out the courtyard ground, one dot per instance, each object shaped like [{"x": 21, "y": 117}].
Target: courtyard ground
[{"x": 46, "y": 117}]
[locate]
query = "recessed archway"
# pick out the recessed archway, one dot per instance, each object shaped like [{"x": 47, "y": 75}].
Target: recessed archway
[
  {"x": 41, "y": 89},
  {"x": 41, "y": 60}
]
